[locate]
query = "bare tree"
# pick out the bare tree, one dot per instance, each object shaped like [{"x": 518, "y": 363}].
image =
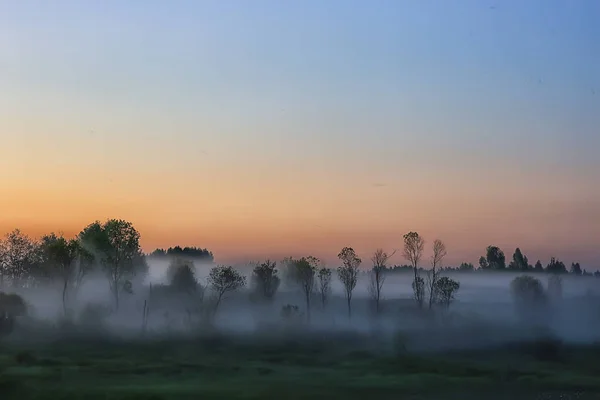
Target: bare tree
[
  {"x": 439, "y": 252},
  {"x": 324, "y": 276},
  {"x": 348, "y": 273},
  {"x": 223, "y": 279},
  {"x": 413, "y": 252},
  {"x": 377, "y": 276}
]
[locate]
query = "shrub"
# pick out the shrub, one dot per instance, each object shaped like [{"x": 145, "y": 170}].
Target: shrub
[{"x": 11, "y": 306}]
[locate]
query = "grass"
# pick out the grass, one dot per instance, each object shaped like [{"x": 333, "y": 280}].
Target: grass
[{"x": 236, "y": 368}]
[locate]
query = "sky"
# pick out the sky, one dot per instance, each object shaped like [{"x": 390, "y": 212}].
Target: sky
[{"x": 272, "y": 128}]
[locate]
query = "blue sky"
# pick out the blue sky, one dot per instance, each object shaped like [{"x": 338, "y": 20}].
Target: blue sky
[{"x": 461, "y": 92}]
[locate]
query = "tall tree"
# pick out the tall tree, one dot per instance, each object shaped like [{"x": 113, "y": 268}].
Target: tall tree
[
  {"x": 556, "y": 267},
  {"x": 519, "y": 261},
  {"x": 413, "y": 252},
  {"x": 61, "y": 256},
  {"x": 115, "y": 245},
  {"x": 302, "y": 272},
  {"x": 348, "y": 273},
  {"x": 576, "y": 269},
  {"x": 495, "y": 258},
  {"x": 265, "y": 279},
  {"x": 377, "y": 276},
  {"x": 324, "y": 277},
  {"x": 439, "y": 252}
]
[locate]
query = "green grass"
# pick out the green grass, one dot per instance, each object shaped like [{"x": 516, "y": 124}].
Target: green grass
[{"x": 235, "y": 369}]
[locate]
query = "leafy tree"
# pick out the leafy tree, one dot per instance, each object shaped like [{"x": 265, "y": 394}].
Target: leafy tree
[
  {"x": 181, "y": 274},
  {"x": 224, "y": 279},
  {"x": 115, "y": 245},
  {"x": 556, "y": 267},
  {"x": 483, "y": 264},
  {"x": 576, "y": 269},
  {"x": 495, "y": 258},
  {"x": 348, "y": 273},
  {"x": 413, "y": 252},
  {"x": 439, "y": 252},
  {"x": 19, "y": 256},
  {"x": 194, "y": 253},
  {"x": 302, "y": 272},
  {"x": 529, "y": 297},
  {"x": 519, "y": 262},
  {"x": 265, "y": 279},
  {"x": 61, "y": 256},
  {"x": 466, "y": 267},
  {"x": 324, "y": 277},
  {"x": 377, "y": 276},
  {"x": 538, "y": 266},
  {"x": 555, "y": 287},
  {"x": 446, "y": 289}
]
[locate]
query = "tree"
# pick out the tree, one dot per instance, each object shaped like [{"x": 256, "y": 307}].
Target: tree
[
  {"x": 265, "y": 279},
  {"x": 224, "y": 279},
  {"x": 61, "y": 256},
  {"x": 538, "y": 266},
  {"x": 576, "y": 269},
  {"x": 556, "y": 267},
  {"x": 413, "y": 252},
  {"x": 446, "y": 289},
  {"x": 115, "y": 246},
  {"x": 324, "y": 276},
  {"x": 466, "y": 267},
  {"x": 495, "y": 258},
  {"x": 439, "y": 252},
  {"x": 19, "y": 254},
  {"x": 519, "y": 262},
  {"x": 302, "y": 272},
  {"x": 377, "y": 276},
  {"x": 529, "y": 297},
  {"x": 555, "y": 287},
  {"x": 11, "y": 306},
  {"x": 483, "y": 264},
  {"x": 348, "y": 273},
  {"x": 182, "y": 276}
]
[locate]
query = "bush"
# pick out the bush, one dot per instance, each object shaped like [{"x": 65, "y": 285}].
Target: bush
[{"x": 11, "y": 306}]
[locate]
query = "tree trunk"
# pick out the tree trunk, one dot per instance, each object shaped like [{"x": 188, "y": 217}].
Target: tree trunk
[
  {"x": 349, "y": 307},
  {"x": 64, "y": 297},
  {"x": 307, "y": 307}
]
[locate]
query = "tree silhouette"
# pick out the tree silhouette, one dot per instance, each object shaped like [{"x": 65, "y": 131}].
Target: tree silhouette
[
  {"x": 576, "y": 269},
  {"x": 224, "y": 279},
  {"x": 115, "y": 245},
  {"x": 324, "y": 276},
  {"x": 61, "y": 257},
  {"x": 556, "y": 267},
  {"x": 348, "y": 273},
  {"x": 495, "y": 259},
  {"x": 413, "y": 251},
  {"x": 377, "y": 276},
  {"x": 265, "y": 279},
  {"x": 519, "y": 262},
  {"x": 439, "y": 252}
]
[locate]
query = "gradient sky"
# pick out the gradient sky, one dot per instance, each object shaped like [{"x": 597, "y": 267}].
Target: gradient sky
[{"x": 270, "y": 128}]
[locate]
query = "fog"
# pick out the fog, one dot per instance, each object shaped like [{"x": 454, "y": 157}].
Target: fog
[{"x": 483, "y": 313}]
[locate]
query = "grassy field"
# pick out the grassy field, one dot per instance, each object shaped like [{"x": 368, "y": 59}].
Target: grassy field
[{"x": 322, "y": 367}]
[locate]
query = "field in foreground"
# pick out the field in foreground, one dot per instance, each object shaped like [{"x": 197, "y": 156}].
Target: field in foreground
[{"x": 219, "y": 367}]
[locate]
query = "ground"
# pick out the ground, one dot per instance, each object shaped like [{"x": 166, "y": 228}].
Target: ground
[{"x": 219, "y": 368}]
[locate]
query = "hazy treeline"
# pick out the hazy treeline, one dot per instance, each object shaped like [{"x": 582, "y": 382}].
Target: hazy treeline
[{"x": 101, "y": 276}]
